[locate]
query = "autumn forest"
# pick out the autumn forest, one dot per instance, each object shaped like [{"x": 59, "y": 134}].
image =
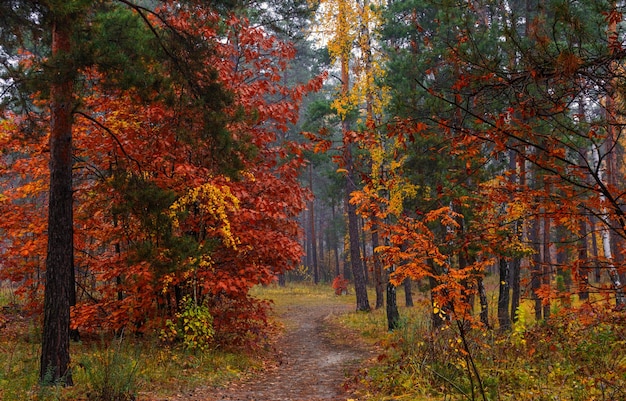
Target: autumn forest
[{"x": 174, "y": 175}]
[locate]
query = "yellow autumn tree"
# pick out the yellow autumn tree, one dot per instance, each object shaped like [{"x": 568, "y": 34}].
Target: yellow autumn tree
[{"x": 350, "y": 28}]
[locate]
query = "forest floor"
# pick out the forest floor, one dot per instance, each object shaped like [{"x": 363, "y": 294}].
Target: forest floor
[{"x": 315, "y": 359}]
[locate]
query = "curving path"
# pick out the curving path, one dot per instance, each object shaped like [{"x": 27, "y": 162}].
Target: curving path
[{"x": 314, "y": 359}]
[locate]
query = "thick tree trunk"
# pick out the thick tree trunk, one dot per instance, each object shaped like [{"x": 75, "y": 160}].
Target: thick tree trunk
[{"x": 60, "y": 290}]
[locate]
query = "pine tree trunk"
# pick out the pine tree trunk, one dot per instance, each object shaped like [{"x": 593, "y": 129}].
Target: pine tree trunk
[
  {"x": 360, "y": 287},
  {"x": 336, "y": 246},
  {"x": 313, "y": 240},
  {"x": 60, "y": 290}
]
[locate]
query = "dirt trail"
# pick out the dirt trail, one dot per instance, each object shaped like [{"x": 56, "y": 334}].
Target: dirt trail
[{"x": 314, "y": 358}]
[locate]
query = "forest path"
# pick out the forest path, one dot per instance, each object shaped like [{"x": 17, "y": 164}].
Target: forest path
[{"x": 315, "y": 355}]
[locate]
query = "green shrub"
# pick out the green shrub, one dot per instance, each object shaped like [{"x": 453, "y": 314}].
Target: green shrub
[{"x": 193, "y": 327}]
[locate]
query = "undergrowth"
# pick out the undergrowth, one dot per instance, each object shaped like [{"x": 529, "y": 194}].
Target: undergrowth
[
  {"x": 117, "y": 368},
  {"x": 571, "y": 357},
  {"x": 125, "y": 368}
]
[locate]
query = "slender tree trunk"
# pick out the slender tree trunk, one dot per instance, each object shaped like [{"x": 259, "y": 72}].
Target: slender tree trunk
[
  {"x": 606, "y": 243},
  {"x": 363, "y": 237},
  {"x": 60, "y": 290},
  {"x": 535, "y": 273},
  {"x": 408, "y": 291},
  {"x": 608, "y": 177},
  {"x": 360, "y": 286},
  {"x": 504, "y": 320},
  {"x": 516, "y": 261},
  {"x": 347, "y": 267},
  {"x": 307, "y": 241},
  {"x": 515, "y": 272},
  {"x": 313, "y": 239},
  {"x": 547, "y": 262},
  {"x": 484, "y": 303},
  {"x": 437, "y": 318},
  {"x": 393, "y": 316},
  {"x": 583, "y": 270},
  {"x": 336, "y": 246},
  {"x": 378, "y": 267},
  {"x": 594, "y": 249}
]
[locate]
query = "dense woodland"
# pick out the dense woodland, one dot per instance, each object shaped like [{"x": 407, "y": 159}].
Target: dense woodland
[{"x": 162, "y": 158}]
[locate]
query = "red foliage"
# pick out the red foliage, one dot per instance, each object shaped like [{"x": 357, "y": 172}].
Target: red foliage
[
  {"x": 135, "y": 159},
  {"x": 340, "y": 285}
]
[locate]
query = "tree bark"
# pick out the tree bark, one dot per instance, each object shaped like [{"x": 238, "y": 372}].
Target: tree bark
[
  {"x": 516, "y": 261},
  {"x": 484, "y": 304},
  {"x": 535, "y": 273},
  {"x": 363, "y": 236},
  {"x": 60, "y": 290},
  {"x": 504, "y": 320},
  {"x": 408, "y": 292},
  {"x": 313, "y": 240},
  {"x": 437, "y": 316},
  {"x": 547, "y": 259},
  {"x": 378, "y": 268},
  {"x": 393, "y": 316},
  {"x": 583, "y": 270},
  {"x": 515, "y": 271},
  {"x": 335, "y": 245},
  {"x": 360, "y": 287}
]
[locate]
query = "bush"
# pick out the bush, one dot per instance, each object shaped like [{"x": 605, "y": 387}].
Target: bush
[{"x": 193, "y": 326}]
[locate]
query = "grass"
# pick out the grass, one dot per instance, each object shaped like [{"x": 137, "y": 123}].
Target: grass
[
  {"x": 113, "y": 369},
  {"x": 294, "y": 294},
  {"x": 571, "y": 357},
  {"x": 564, "y": 359},
  {"x": 108, "y": 368}
]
